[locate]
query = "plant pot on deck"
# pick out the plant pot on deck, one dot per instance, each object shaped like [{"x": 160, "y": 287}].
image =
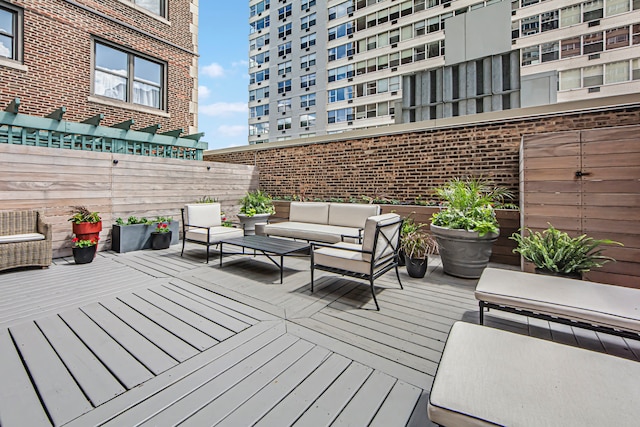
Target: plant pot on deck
[
  {"x": 160, "y": 240},
  {"x": 87, "y": 230},
  {"x": 416, "y": 267},
  {"x": 464, "y": 253},
  {"x": 249, "y": 222},
  {"x": 84, "y": 255}
]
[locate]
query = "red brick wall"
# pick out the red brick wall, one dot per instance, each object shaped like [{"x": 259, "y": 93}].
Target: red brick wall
[
  {"x": 410, "y": 165},
  {"x": 57, "y": 53}
]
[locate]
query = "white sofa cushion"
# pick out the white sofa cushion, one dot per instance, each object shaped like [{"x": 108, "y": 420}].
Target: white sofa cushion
[
  {"x": 203, "y": 214},
  {"x": 383, "y": 247},
  {"x": 17, "y": 238},
  {"x": 336, "y": 257},
  {"x": 351, "y": 214},
  {"x": 313, "y": 212},
  {"x": 311, "y": 232},
  {"x": 215, "y": 234}
]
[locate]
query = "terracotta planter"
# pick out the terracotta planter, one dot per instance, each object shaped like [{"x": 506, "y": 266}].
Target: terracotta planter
[
  {"x": 84, "y": 255},
  {"x": 160, "y": 240},
  {"x": 87, "y": 230}
]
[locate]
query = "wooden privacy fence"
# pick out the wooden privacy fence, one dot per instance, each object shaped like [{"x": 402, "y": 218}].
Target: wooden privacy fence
[
  {"x": 115, "y": 185},
  {"x": 587, "y": 182}
]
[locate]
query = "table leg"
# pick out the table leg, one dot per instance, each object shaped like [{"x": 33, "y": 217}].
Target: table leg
[
  {"x": 281, "y": 267},
  {"x": 220, "y": 254}
]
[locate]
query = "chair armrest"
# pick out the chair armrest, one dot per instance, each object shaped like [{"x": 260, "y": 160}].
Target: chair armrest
[
  {"x": 44, "y": 228},
  {"x": 325, "y": 245},
  {"x": 197, "y": 226},
  {"x": 358, "y": 237}
]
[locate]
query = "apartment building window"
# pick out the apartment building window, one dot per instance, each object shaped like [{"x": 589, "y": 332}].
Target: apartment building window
[
  {"x": 259, "y": 42},
  {"x": 10, "y": 32},
  {"x": 549, "y": 20},
  {"x": 259, "y": 8},
  {"x": 616, "y": 72},
  {"x": 308, "y": 41},
  {"x": 308, "y": 100},
  {"x": 406, "y": 8},
  {"x": 308, "y": 21},
  {"x": 159, "y": 7},
  {"x": 284, "y": 123},
  {"x": 615, "y": 7},
  {"x": 307, "y": 61},
  {"x": 340, "y": 73},
  {"x": 258, "y": 59},
  {"x": 284, "y": 68},
  {"x": 257, "y": 94},
  {"x": 339, "y": 31},
  {"x": 306, "y": 4},
  {"x": 284, "y": 30},
  {"x": 340, "y": 10},
  {"x": 592, "y": 10},
  {"x": 259, "y": 76},
  {"x": 128, "y": 77},
  {"x": 570, "y": 79},
  {"x": 258, "y": 111},
  {"x": 418, "y": 5},
  {"x": 530, "y": 25},
  {"x": 284, "y": 105},
  {"x": 635, "y": 69},
  {"x": 341, "y": 115},
  {"x": 419, "y": 53},
  {"x": 570, "y": 15},
  {"x": 258, "y": 129},
  {"x": 592, "y": 76},
  {"x": 570, "y": 47},
  {"x": 307, "y": 135},
  {"x": 284, "y": 86},
  {"x": 592, "y": 43},
  {"x": 308, "y": 80},
  {"x": 284, "y": 49},
  {"x": 341, "y": 51},
  {"x": 617, "y": 37},
  {"x": 258, "y": 25},
  {"x": 284, "y": 12},
  {"x": 550, "y": 51},
  {"x": 307, "y": 120},
  {"x": 341, "y": 94},
  {"x": 530, "y": 55},
  {"x": 635, "y": 32}
]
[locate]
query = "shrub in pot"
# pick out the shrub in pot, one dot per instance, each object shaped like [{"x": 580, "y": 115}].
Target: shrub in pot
[
  {"x": 417, "y": 245},
  {"x": 84, "y": 250},
  {"x": 256, "y": 206},
  {"x": 466, "y": 226},
  {"x": 408, "y": 226},
  {"x": 86, "y": 225},
  {"x": 554, "y": 252},
  {"x": 161, "y": 237}
]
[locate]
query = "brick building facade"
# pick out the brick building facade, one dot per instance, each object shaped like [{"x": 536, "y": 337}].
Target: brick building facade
[{"x": 126, "y": 59}]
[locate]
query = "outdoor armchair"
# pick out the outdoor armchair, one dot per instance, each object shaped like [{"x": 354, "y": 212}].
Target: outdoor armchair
[{"x": 202, "y": 224}]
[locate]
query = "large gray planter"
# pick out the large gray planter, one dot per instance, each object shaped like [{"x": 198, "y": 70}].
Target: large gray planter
[
  {"x": 249, "y": 222},
  {"x": 464, "y": 253},
  {"x": 127, "y": 238}
]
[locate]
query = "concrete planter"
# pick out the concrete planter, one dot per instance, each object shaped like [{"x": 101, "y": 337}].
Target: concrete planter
[
  {"x": 127, "y": 238},
  {"x": 249, "y": 222},
  {"x": 464, "y": 253}
]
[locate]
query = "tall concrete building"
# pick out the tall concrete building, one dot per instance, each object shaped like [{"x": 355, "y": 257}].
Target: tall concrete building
[{"x": 320, "y": 67}]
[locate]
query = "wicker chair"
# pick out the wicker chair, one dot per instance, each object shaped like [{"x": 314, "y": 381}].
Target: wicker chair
[{"x": 25, "y": 240}]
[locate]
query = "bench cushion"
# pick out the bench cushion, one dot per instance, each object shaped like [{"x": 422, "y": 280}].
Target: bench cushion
[
  {"x": 351, "y": 214},
  {"x": 313, "y": 212},
  {"x": 596, "y": 303},
  {"x": 17, "y": 238},
  {"x": 311, "y": 231},
  {"x": 337, "y": 257},
  {"x": 491, "y": 377},
  {"x": 215, "y": 234}
]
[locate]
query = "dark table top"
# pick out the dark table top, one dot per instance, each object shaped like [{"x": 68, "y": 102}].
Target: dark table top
[{"x": 268, "y": 244}]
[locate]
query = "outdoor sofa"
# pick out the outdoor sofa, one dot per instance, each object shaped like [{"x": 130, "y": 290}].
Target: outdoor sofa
[
  {"x": 324, "y": 222},
  {"x": 25, "y": 240}
]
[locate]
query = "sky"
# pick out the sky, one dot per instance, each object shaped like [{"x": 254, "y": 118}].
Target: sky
[{"x": 223, "y": 76}]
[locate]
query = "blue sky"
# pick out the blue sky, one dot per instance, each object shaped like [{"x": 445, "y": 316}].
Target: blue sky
[{"x": 223, "y": 72}]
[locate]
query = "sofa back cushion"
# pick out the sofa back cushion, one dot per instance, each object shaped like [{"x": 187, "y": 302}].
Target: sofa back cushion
[
  {"x": 387, "y": 234},
  {"x": 18, "y": 222},
  {"x": 314, "y": 212},
  {"x": 351, "y": 214},
  {"x": 203, "y": 214}
]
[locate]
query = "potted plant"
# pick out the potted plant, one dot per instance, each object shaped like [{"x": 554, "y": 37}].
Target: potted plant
[
  {"x": 556, "y": 253},
  {"x": 466, "y": 226},
  {"x": 256, "y": 206},
  {"x": 161, "y": 237},
  {"x": 134, "y": 234},
  {"x": 408, "y": 226},
  {"x": 86, "y": 225},
  {"x": 84, "y": 250},
  {"x": 417, "y": 245}
]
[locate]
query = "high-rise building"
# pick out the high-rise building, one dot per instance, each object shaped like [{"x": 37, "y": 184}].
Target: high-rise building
[{"x": 319, "y": 67}]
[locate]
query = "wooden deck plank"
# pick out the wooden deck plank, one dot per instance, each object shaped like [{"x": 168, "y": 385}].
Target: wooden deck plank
[
  {"x": 327, "y": 407},
  {"x": 170, "y": 343},
  {"x": 186, "y": 332},
  {"x": 98, "y": 384},
  {"x": 364, "y": 405},
  {"x": 145, "y": 351},
  {"x": 222, "y": 406},
  {"x": 265, "y": 399},
  {"x": 296, "y": 403},
  {"x": 401, "y": 400},
  {"x": 129, "y": 371},
  {"x": 60, "y": 394},
  {"x": 19, "y": 403}
]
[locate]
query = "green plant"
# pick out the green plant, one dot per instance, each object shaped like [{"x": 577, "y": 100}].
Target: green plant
[
  {"x": 84, "y": 243},
  {"x": 418, "y": 244},
  {"x": 469, "y": 205},
  {"x": 256, "y": 202},
  {"x": 162, "y": 227},
  {"x": 82, "y": 214},
  {"x": 207, "y": 199},
  {"x": 554, "y": 250}
]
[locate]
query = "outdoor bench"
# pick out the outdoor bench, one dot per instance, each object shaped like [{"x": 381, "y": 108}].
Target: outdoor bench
[{"x": 25, "y": 240}]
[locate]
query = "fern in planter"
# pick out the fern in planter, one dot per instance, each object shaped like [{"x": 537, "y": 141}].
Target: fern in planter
[
  {"x": 256, "y": 202},
  {"x": 556, "y": 252}
]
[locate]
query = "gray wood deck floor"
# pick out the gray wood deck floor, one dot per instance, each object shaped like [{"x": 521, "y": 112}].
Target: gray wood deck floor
[{"x": 150, "y": 338}]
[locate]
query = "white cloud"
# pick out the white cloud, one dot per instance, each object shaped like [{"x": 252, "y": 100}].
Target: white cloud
[
  {"x": 203, "y": 92},
  {"x": 223, "y": 108},
  {"x": 244, "y": 64},
  {"x": 233, "y": 130},
  {"x": 213, "y": 70}
]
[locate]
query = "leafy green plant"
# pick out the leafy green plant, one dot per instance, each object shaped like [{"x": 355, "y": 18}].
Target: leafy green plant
[
  {"x": 82, "y": 214},
  {"x": 554, "y": 250},
  {"x": 84, "y": 243},
  {"x": 162, "y": 227},
  {"x": 469, "y": 205},
  {"x": 256, "y": 202},
  {"x": 207, "y": 199},
  {"x": 418, "y": 244}
]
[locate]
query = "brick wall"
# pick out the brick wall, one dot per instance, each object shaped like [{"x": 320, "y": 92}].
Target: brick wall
[
  {"x": 404, "y": 166},
  {"x": 58, "y": 49}
]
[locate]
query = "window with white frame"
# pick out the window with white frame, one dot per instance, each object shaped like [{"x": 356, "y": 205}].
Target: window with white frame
[
  {"x": 258, "y": 59},
  {"x": 258, "y": 25},
  {"x": 308, "y": 41},
  {"x": 284, "y": 68},
  {"x": 284, "y": 12},
  {"x": 257, "y": 94},
  {"x": 617, "y": 37},
  {"x": 341, "y": 115},
  {"x": 308, "y": 80},
  {"x": 570, "y": 15},
  {"x": 615, "y": 7},
  {"x": 306, "y": 4},
  {"x": 258, "y": 129},
  {"x": 308, "y": 21},
  {"x": 616, "y": 72},
  {"x": 307, "y": 61},
  {"x": 159, "y": 7},
  {"x": 570, "y": 47},
  {"x": 592, "y": 10},
  {"x": 635, "y": 69},
  {"x": 550, "y": 51},
  {"x": 592, "y": 43},
  {"x": 259, "y": 8},
  {"x": 340, "y": 73},
  {"x": 258, "y": 111},
  {"x": 570, "y": 79},
  {"x": 128, "y": 77},
  {"x": 307, "y": 100},
  {"x": 284, "y": 30},
  {"x": 10, "y": 32},
  {"x": 284, "y": 86},
  {"x": 259, "y": 76},
  {"x": 284, "y": 49},
  {"x": 341, "y": 51},
  {"x": 340, "y": 94},
  {"x": 259, "y": 42},
  {"x": 307, "y": 120},
  {"x": 341, "y": 30},
  {"x": 284, "y": 105},
  {"x": 284, "y": 123},
  {"x": 340, "y": 10},
  {"x": 592, "y": 76}
]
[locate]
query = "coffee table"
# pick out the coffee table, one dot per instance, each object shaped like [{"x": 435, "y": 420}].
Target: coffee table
[{"x": 268, "y": 246}]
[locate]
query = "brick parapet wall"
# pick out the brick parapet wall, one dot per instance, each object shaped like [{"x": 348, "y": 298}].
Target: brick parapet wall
[
  {"x": 58, "y": 47},
  {"x": 408, "y": 165}
]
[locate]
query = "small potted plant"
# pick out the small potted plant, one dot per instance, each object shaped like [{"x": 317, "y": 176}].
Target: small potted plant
[
  {"x": 556, "y": 253},
  {"x": 408, "y": 226},
  {"x": 84, "y": 250},
  {"x": 86, "y": 225},
  {"x": 466, "y": 225},
  {"x": 161, "y": 237},
  {"x": 417, "y": 246},
  {"x": 255, "y": 207}
]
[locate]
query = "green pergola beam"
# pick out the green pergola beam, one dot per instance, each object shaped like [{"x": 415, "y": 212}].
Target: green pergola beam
[
  {"x": 174, "y": 133},
  {"x": 57, "y": 115},
  {"x": 94, "y": 121},
  {"x": 126, "y": 125},
  {"x": 13, "y": 106},
  {"x": 194, "y": 136},
  {"x": 150, "y": 129}
]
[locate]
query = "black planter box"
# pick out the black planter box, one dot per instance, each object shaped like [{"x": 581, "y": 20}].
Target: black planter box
[{"x": 127, "y": 238}]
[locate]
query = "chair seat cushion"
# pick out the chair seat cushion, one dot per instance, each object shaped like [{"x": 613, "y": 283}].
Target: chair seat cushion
[
  {"x": 337, "y": 257},
  {"x": 215, "y": 234},
  {"x": 311, "y": 232},
  {"x": 18, "y": 238},
  {"x": 606, "y": 305}
]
